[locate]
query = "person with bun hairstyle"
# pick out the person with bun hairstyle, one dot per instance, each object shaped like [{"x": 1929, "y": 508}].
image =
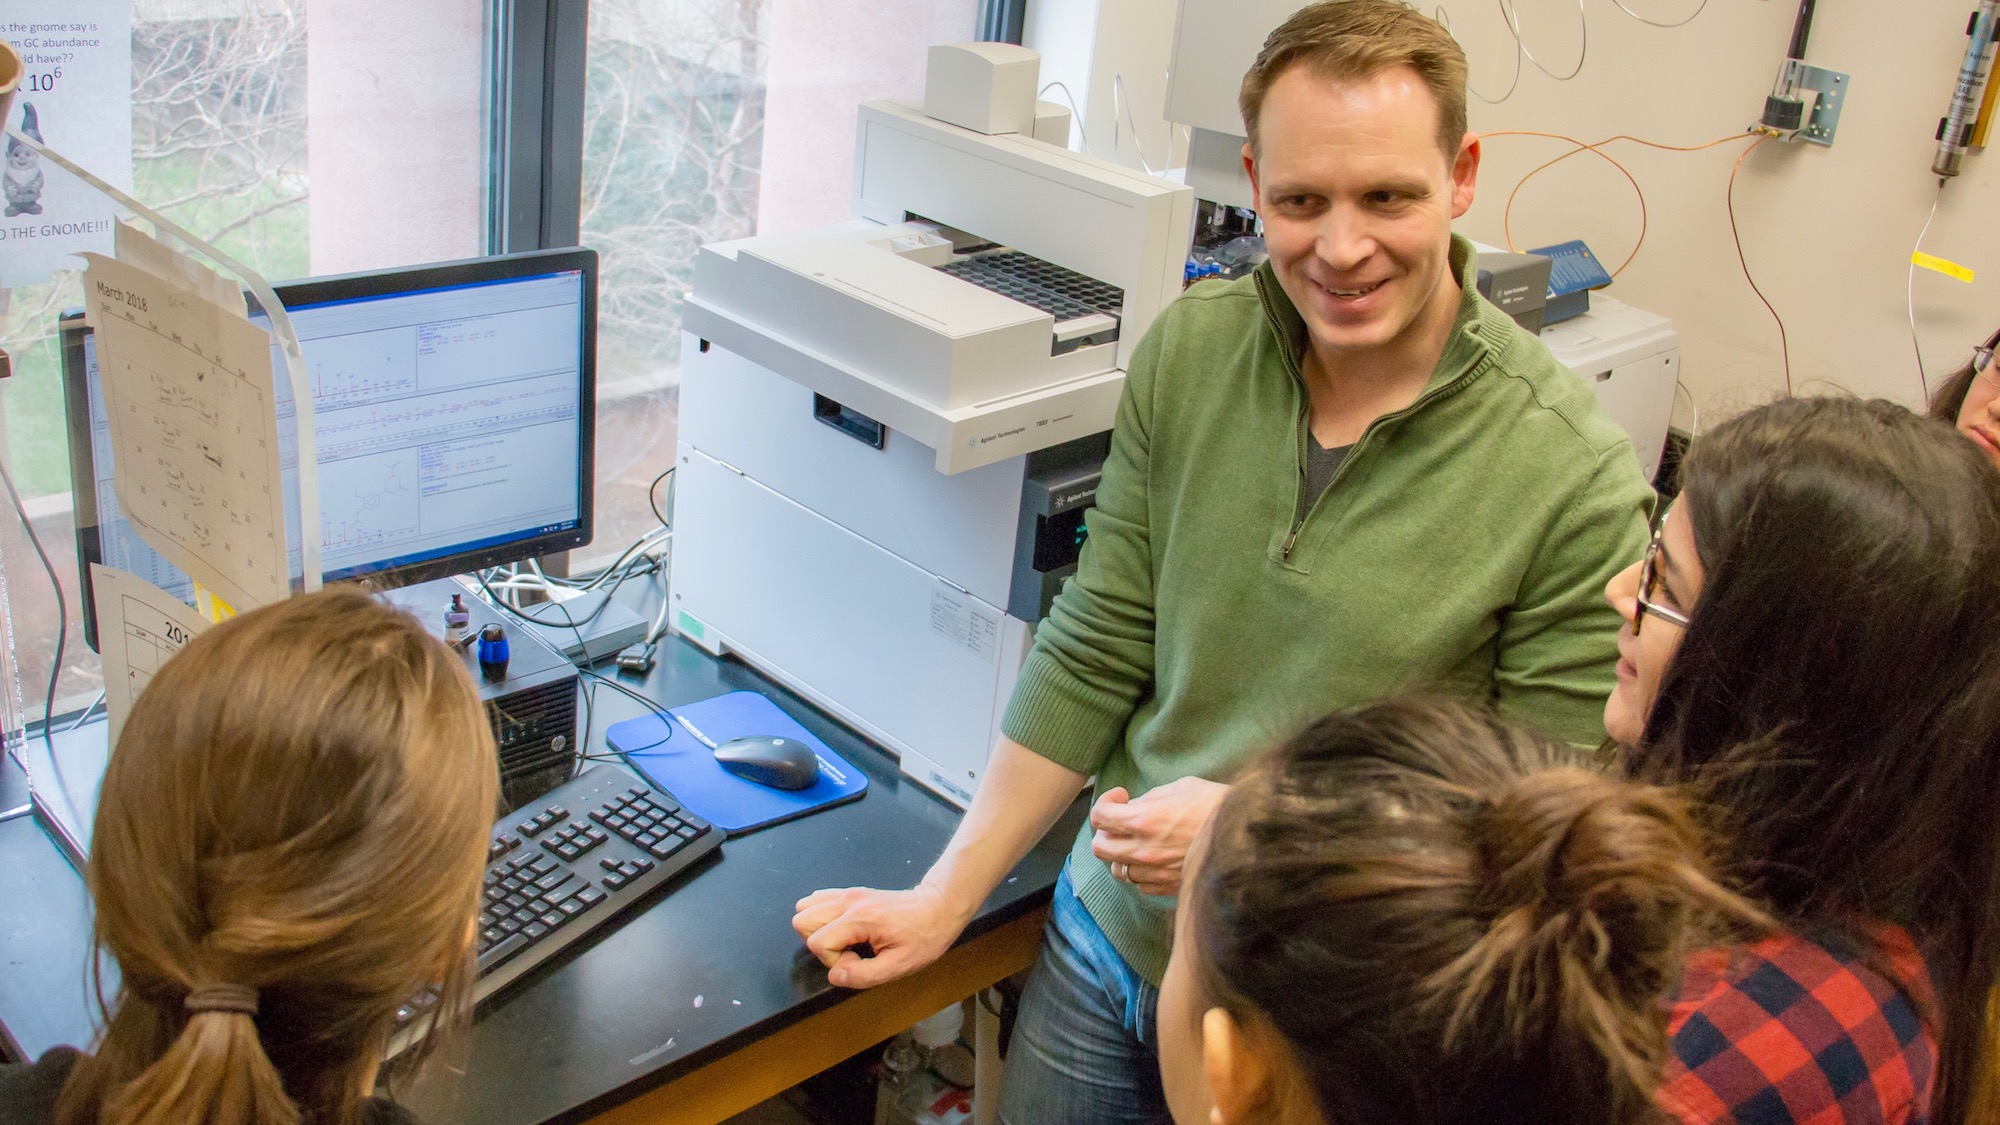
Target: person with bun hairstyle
[
  {"x": 288, "y": 846},
  {"x": 1813, "y": 641},
  {"x": 1414, "y": 912}
]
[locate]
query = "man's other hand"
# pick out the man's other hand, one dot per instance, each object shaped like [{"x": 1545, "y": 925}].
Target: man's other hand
[
  {"x": 907, "y": 930},
  {"x": 1146, "y": 840}
]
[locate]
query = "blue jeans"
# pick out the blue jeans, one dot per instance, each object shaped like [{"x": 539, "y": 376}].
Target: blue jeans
[{"x": 1084, "y": 1050}]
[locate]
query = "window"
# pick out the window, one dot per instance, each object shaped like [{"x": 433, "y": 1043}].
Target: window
[
  {"x": 707, "y": 120},
  {"x": 303, "y": 139},
  {"x": 295, "y": 136}
]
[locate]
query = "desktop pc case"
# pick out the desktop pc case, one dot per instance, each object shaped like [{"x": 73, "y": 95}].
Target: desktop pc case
[{"x": 532, "y": 708}]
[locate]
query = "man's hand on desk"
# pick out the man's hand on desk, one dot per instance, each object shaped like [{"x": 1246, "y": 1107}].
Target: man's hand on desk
[
  {"x": 906, "y": 929},
  {"x": 1145, "y": 840}
]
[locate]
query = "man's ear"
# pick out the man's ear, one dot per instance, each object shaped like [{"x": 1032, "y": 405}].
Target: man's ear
[
  {"x": 1241, "y": 1078},
  {"x": 1464, "y": 175},
  {"x": 1250, "y": 169}
]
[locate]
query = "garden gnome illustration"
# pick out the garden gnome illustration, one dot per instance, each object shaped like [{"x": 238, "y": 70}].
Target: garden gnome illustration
[{"x": 22, "y": 181}]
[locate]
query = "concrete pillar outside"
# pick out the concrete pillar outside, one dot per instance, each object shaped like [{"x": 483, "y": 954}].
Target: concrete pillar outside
[
  {"x": 395, "y": 127},
  {"x": 826, "y": 59}
]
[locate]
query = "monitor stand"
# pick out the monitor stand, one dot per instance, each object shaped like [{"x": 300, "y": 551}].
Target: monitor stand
[{"x": 63, "y": 782}]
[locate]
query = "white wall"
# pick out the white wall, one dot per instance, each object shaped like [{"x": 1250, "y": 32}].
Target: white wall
[
  {"x": 1096, "y": 45},
  {"x": 1827, "y": 232},
  {"x": 1065, "y": 35}
]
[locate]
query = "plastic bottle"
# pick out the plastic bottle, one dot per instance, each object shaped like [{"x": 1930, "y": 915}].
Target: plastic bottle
[
  {"x": 901, "y": 1064},
  {"x": 911, "y": 1092}
]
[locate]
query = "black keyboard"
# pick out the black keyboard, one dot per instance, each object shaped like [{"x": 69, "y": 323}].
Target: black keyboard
[{"x": 562, "y": 866}]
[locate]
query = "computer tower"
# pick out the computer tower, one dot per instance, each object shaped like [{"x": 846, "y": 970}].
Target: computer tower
[{"x": 533, "y": 708}]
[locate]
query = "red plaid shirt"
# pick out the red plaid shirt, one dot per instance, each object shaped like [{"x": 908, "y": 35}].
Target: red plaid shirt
[{"x": 1796, "y": 1031}]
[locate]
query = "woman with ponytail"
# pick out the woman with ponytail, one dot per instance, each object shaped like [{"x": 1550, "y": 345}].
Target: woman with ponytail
[
  {"x": 1416, "y": 913},
  {"x": 1813, "y": 642},
  {"x": 288, "y": 846}
]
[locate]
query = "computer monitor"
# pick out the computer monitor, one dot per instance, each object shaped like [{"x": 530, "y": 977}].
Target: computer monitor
[{"x": 454, "y": 409}]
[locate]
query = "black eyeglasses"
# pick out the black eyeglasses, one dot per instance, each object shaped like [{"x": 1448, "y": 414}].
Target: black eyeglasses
[
  {"x": 1982, "y": 356},
  {"x": 1649, "y": 579}
]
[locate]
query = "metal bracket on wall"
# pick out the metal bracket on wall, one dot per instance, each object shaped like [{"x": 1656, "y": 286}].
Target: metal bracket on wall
[{"x": 1830, "y": 86}]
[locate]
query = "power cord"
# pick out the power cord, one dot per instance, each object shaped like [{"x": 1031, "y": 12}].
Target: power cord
[
  {"x": 62, "y": 607},
  {"x": 561, "y": 617},
  {"x": 666, "y": 718},
  {"x": 653, "y": 488}
]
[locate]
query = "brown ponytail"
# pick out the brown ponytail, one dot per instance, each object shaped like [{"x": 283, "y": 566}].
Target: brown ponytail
[
  {"x": 289, "y": 843},
  {"x": 215, "y": 1072},
  {"x": 1452, "y": 921}
]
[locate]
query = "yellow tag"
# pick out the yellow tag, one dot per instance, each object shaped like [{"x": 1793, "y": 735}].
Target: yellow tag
[
  {"x": 210, "y": 606},
  {"x": 1949, "y": 269}
]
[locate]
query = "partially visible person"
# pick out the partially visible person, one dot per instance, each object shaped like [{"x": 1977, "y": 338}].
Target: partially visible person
[
  {"x": 289, "y": 844},
  {"x": 1813, "y": 641},
  {"x": 1417, "y": 913},
  {"x": 1969, "y": 399}
]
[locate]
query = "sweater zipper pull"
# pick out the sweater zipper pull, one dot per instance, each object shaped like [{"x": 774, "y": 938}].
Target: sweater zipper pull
[{"x": 1291, "y": 537}]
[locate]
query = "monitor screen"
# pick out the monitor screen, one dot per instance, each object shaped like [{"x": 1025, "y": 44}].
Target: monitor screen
[{"x": 453, "y": 406}]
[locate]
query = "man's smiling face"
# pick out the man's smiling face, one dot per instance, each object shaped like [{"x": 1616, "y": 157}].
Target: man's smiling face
[{"x": 1357, "y": 200}]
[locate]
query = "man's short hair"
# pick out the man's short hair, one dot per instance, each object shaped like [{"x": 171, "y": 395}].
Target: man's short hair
[{"x": 1353, "y": 40}]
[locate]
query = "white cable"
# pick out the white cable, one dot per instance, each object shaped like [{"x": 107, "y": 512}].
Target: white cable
[
  {"x": 1657, "y": 23},
  {"x": 1694, "y": 412},
  {"x": 660, "y": 619},
  {"x": 1443, "y": 17},
  {"x": 1510, "y": 15},
  {"x": 1118, "y": 99},
  {"x": 1075, "y": 114},
  {"x": 1910, "y": 292},
  {"x": 1510, "y": 11}
]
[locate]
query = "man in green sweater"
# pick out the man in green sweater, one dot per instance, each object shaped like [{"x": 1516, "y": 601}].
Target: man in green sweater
[{"x": 1345, "y": 476}]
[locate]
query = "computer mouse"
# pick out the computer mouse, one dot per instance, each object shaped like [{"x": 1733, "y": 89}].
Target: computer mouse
[{"x": 773, "y": 760}]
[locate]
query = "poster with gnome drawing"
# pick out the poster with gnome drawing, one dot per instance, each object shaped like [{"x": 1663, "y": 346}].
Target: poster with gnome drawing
[{"x": 75, "y": 97}]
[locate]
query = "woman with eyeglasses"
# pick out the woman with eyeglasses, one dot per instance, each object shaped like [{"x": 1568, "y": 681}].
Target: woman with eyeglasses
[
  {"x": 1969, "y": 399},
  {"x": 1812, "y": 643}
]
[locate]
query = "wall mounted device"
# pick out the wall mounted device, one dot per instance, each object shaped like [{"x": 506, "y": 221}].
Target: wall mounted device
[
  {"x": 1956, "y": 128},
  {"x": 1805, "y": 101},
  {"x": 891, "y": 427}
]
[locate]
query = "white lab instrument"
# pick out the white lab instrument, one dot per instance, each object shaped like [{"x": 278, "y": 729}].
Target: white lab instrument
[
  {"x": 1632, "y": 359},
  {"x": 890, "y": 427}
]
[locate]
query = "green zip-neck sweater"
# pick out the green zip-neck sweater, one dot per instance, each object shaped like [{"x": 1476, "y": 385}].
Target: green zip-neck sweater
[{"x": 1462, "y": 546}]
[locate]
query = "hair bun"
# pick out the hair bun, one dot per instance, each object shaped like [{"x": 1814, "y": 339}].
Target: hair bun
[
  {"x": 1593, "y": 885},
  {"x": 1562, "y": 837}
]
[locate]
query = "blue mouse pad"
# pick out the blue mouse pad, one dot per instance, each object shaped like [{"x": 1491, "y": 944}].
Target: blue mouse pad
[{"x": 683, "y": 766}]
